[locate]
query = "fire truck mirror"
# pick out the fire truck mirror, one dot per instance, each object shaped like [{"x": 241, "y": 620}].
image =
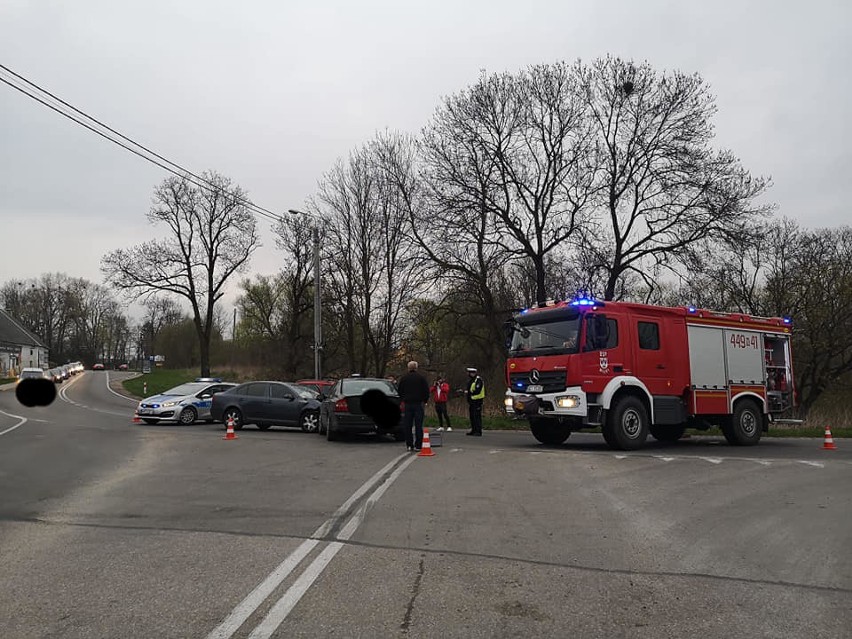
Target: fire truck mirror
[{"x": 596, "y": 331}]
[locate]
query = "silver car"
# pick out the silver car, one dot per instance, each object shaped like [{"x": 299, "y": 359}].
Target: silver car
[{"x": 184, "y": 404}]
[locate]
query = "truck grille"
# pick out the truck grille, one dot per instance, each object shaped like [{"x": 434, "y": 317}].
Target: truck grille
[{"x": 552, "y": 381}]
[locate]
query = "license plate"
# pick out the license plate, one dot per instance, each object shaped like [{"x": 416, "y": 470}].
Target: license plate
[
  {"x": 535, "y": 388},
  {"x": 145, "y": 411}
]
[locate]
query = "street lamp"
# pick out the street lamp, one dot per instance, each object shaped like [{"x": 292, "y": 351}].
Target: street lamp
[{"x": 317, "y": 296}]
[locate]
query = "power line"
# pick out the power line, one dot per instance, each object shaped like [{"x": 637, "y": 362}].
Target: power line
[{"x": 178, "y": 170}]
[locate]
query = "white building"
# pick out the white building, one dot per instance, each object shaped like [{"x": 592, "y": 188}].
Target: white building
[{"x": 18, "y": 347}]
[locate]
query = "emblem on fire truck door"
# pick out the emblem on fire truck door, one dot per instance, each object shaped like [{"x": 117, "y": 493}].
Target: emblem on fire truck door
[{"x": 604, "y": 361}]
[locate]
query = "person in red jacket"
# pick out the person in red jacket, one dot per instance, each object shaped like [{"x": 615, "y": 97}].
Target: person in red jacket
[{"x": 440, "y": 395}]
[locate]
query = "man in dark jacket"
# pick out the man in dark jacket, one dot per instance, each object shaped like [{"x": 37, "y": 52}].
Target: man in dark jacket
[{"x": 414, "y": 393}]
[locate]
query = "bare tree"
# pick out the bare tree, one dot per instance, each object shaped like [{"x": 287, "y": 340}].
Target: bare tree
[
  {"x": 160, "y": 312},
  {"x": 513, "y": 152},
  {"x": 660, "y": 186},
  {"x": 375, "y": 270},
  {"x": 211, "y": 236}
]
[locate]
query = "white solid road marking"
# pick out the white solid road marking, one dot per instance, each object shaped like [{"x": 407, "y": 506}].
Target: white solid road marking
[
  {"x": 257, "y": 596},
  {"x": 665, "y": 459},
  {"x": 811, "y": 463},
  {"x": 712, "y": 460},
  {"x": 282, "y": 608},
  {"x": 129, "y": 399},
  {"x": 18, "y": 425},
  {"x": 284, "y": 605}
]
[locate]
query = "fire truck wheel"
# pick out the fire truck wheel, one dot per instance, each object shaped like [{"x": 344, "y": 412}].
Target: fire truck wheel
[
  {"x": 548, "y": 433},
  {"x": 668, "y": 433},
  {"x": 746, "y": 424},
  {"x": 626, "y": 427}
]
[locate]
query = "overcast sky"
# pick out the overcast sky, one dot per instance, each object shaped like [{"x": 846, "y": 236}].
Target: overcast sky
[{"x": 272, "y": 93}]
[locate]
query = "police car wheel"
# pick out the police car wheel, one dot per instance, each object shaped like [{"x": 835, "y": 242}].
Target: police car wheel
[{"x": 187, "y": 416}]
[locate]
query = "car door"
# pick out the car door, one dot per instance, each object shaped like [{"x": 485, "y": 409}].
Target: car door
[
  {"x": 284, "y": 405},
  {"x": 256, "y": 402},
  {"x": 204, "y": 399}
]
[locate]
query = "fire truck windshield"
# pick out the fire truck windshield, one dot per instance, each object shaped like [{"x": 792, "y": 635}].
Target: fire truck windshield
[{"x": 553, "y": 336}]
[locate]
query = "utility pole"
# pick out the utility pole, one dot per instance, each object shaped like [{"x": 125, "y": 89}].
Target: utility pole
[{"x": 317, "y": 293}]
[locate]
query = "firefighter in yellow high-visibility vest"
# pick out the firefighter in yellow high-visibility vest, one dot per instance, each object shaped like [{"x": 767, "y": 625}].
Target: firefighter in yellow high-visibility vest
[{"x": 475, "y": 393}]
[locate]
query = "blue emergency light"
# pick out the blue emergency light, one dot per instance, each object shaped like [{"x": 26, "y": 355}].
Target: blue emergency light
[
  {"x": 691, "y": 308},
  {"x": 787, "y": 319},
  {"x": 582, "y": 300}
]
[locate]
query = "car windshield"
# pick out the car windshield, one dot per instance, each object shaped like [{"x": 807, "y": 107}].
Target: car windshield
[
  {"x": 358, "y": 386},
  {"x": 554, "y": 335},
  {"x": 185, "y": 389}
]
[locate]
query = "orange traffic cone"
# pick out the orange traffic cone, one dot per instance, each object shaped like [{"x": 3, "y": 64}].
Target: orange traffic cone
[
  {"x": 828, "y": 442},
  {"x": 426, "y": 448},
  {"x": 230, "y": 434},
  {"x": 136, "y": 418}
]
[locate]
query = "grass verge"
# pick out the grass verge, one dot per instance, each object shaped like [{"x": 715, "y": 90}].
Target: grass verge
[{"x": 158, "y": 380}]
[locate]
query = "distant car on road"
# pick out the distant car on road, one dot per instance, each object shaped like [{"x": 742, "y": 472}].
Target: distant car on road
[
  {"x": 122, "y": 367},
  {"x": 33, "y": 373},
  {"x": 341, "y": 410},
  {"x": 184, "y": 404},
  {"x": 98, "y": 367},
  {"x": 266, "y": 404}
]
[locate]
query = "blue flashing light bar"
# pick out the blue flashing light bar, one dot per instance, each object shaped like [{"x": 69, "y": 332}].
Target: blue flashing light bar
[
  {"x": 691, "y": 309},
  {"x": 582, "y": 300},
  {"x": 526, "y": 310},
  {"x": 787, "y": 319}
]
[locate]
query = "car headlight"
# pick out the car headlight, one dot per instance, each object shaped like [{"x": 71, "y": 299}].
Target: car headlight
[
  {"x": 509, "y": 403},
  {"x": 167, "y": 404},
  {"x": 567, "y": 401}
]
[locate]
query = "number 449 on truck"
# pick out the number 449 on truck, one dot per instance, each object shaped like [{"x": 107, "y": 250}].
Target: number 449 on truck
[{"x": 634, "y": 369}]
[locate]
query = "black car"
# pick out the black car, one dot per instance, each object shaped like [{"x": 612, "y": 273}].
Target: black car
[
  {"x": 266, "y": 404},
  {"x": 341, "y": 410}
]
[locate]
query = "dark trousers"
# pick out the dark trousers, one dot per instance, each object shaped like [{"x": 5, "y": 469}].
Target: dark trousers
[
  {"x": 441, "y": 410},
  {"x": 413, "y": 416},
  {"x": 475, "y": 409}
]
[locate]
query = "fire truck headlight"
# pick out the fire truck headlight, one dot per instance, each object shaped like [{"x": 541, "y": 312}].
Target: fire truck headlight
[
  {"x": 509, "y": 403},
  {"x": 568, "y": 401}
]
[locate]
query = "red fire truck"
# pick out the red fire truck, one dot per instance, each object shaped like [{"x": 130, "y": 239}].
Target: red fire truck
[{"x": 633, "y": 369}]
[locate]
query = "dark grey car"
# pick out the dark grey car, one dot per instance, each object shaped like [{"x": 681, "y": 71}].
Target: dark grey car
[
  {"x": 342, "y": 413},
  {"x": 268, "y": 404}
]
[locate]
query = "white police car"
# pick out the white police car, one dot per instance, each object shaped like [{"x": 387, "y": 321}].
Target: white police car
[{"x": 183, "y": 404}]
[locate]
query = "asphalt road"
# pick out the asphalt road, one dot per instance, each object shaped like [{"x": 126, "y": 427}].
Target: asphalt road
[{"x": 114, "y": 529}]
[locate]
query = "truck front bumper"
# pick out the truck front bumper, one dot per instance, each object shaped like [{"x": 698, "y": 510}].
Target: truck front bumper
[{"x": 570, "y": 402}]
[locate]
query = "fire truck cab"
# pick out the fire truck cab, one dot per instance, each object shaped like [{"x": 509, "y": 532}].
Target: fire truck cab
[{"x": 633, "y": 369}]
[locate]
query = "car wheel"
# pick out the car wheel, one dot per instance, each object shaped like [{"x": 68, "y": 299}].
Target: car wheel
[
  {"x": 626, "y": 426},
  {"x": 263, "y": 426},
  {"x": 187, "y": 416},
  {"x": 310, "y": 421},
  {"x": 151, "y": 421},
  {"x": 237, "y": 417},
  {"x": 330, "y": 434}
]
